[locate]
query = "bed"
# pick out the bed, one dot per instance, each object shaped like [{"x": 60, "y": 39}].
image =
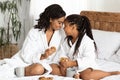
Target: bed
[{"x": 106, "y": 32}]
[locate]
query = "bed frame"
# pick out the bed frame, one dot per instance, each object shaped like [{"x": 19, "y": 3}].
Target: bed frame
[{"x": 108, "y": 21}]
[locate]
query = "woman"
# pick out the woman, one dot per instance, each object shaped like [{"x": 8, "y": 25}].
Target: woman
[
  {"x": 39, "y": 39},
  {"x": 80, "y": 50}
]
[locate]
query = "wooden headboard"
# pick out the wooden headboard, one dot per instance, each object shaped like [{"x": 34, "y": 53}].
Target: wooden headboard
[{"x": 107, "y": 21}]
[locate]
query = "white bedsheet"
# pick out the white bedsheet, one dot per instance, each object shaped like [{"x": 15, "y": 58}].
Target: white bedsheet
[
  {"x": 104, "y": 65},
  {"x": 109, "y": 66},
  {"x": 55, "y": 77}
]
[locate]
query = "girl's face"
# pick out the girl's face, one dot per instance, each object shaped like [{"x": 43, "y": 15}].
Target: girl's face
[
  {"x": 56, "y": 24},
  {"x": 68, "y": 28}
]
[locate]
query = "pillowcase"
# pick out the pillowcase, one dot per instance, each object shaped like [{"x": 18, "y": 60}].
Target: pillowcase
[
  {"x": 107, "y": 43},
  {"x": 115, "y": 57},
  {"x": 118, "y": 53}
]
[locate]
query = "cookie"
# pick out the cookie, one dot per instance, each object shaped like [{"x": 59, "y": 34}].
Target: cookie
[
  {"x": 53, "y": 49},
  {"x": 46, "y": 78}
]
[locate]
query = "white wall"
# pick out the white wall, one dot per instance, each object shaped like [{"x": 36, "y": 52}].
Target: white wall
[
  {"x": 104, "y": 5},
  {"x": 71, "y": 6},
  {"x": 75, "y": 6}
]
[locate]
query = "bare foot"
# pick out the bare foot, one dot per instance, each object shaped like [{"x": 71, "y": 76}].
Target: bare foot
[
  {"x": 77, "y": 76},
  {"x": 118, "y": 72},
  {"x": 115, "y": 73}
]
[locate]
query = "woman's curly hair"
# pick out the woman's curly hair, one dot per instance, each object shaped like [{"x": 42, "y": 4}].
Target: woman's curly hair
[{"x": 53, "y": 11}]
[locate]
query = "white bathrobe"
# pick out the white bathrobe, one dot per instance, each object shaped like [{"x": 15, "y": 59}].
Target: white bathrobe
[
  {"x": 34, "y": 45},
  {"x": 86, "y": 54}
]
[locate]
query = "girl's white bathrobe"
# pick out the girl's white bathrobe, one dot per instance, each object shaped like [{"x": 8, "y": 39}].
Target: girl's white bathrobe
[
  {"x": 85, "y": 57},
  {"x": 34, "y": 45}
]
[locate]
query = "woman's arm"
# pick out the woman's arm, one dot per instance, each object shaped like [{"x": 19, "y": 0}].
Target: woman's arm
[{"x": 30, "y": 46}]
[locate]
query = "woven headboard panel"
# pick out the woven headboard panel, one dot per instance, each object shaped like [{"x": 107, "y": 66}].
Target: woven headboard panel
[{"x": 107, "y": 21}]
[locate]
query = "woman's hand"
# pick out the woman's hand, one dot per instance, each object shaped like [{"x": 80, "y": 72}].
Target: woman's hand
[{"x": 48, "y": 52}]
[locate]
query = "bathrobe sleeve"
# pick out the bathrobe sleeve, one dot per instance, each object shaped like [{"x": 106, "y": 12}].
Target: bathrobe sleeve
[
  {"x": 86, "y": 56},
  {"x": 30, "y": 46},
  {"x": 60, "y": 53}
]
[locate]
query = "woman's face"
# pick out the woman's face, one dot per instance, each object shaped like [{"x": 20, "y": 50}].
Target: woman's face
[
  {"x": 68, "y": 28},
  {"x": 56, "y": 24}
]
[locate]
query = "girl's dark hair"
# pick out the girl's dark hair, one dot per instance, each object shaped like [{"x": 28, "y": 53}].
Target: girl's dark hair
[
  {"x": 53, "y": 11},
  {"x": 83, "y": 26}
]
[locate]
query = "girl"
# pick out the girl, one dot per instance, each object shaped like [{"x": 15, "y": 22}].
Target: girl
[{"x": 80, "y": 49}]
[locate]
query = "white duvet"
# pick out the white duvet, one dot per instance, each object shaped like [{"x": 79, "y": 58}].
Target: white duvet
[
  {"x": 109, "y": 66},
  {"x": 104, "y": 65}
]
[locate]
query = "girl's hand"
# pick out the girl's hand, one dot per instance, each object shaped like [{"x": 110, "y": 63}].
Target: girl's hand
[
  {"x": 63, "y": 59},
  {"x": 65, "y": 62}
]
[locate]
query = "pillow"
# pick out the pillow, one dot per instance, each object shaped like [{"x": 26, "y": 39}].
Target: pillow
[
  {"x": 107, "y": 43},
  {"x": 118, "y": 52},
  {"x": 115, "y": 57}
]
